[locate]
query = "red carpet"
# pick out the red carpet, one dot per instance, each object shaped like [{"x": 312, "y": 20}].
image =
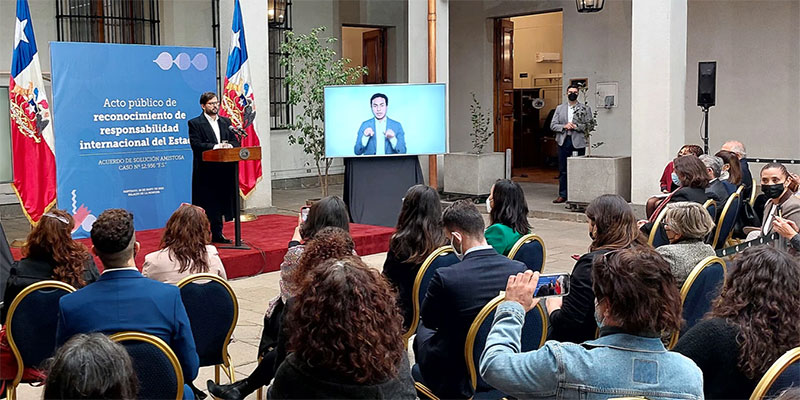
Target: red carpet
[{"x": 268, "y": 237}]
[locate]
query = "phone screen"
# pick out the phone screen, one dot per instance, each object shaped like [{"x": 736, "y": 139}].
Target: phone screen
[
  {"x": 552, "y": 285},
  {"x": 304, "y": 213}
]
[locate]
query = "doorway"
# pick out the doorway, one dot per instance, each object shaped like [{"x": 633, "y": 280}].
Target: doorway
[
  {"x": 366, "y": 46},
  {"x": 528, "y": 86}
]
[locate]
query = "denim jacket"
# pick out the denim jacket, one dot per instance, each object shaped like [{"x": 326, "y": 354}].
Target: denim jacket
[{"x": 615, "y": 365}]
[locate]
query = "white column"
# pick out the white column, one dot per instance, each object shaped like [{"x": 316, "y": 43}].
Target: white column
[{"x": 658, "y": 82}]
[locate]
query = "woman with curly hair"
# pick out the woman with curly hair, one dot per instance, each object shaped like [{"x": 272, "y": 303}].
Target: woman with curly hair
[
  {"x": 752, "y": 323},
  {"x": 50, "y": 253},
  {"x": 508, "y": 215},
  {"x": 419, "y": 232},
  {"x": 346, "y": 338},
  {"x": 185, "y": 248}
]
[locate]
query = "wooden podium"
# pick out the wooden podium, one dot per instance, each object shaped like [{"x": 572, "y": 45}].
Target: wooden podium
[{"x": 234, "y": 155}]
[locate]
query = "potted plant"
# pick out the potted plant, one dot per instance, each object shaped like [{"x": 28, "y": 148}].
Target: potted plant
[
  {"x": 474, "y": 172},
  {"x": 311, "y": 65}
]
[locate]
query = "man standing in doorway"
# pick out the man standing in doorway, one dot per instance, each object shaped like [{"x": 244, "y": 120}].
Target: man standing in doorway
[{"x": 569, "y": 136}]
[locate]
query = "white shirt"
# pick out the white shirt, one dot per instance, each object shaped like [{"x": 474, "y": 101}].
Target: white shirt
[
  {"x": 214, "y": 122},
  {"x": 571, "y": 112},
  {"x": 119, "y": 269},
  {"x": 380, "y": 131},
  {"x": 477, "y": 248}
]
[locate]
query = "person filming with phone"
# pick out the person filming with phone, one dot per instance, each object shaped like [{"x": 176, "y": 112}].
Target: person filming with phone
[{"x": 627, "y": 360}]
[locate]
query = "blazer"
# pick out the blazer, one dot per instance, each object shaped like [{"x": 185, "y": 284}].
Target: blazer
[
  {"x": 160, "y": 266},
  {"x": 401, "y": 275},
  {"x": 455, "y": 296},
  {"x": 718, "y": 192},
  {"x": 789, "y": 208},
  {"x": 501, "y": 237},
  {"x": 214, "y": 185},
  {"x": 561, "y": 117},
  {"x": 575, "y": 322},
  {"x": 371, "y": 147},
  {"x": 696, "y": 195},
  {"x": 683, "y": 256},
  {"x": 124, "y": 300}
]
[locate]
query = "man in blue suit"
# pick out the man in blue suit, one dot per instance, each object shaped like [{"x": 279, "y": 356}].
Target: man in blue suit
[
  {"x": 124, "y": 300},
  {"x": 455, "y": 296},
  {"x": 380, "y": 135}
]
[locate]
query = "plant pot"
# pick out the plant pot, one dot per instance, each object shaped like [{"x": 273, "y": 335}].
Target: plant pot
[
  {"x": 472, "y": 174},
  {"x": 592, "y": 176}
]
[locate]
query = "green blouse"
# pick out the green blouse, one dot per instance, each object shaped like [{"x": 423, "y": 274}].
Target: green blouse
[{"x": 501, "y": 237}]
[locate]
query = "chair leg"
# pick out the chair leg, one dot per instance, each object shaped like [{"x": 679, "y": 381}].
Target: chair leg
[
  {"x": 11, "y": 393},
  {"x": 260, "y": 393},
  {"x": 216, "y": 374}
]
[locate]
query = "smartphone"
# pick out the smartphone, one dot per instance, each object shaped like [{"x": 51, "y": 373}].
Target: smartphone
[
  {"x": 552, "y": 285},
  {"x": 304, "y": 213}
]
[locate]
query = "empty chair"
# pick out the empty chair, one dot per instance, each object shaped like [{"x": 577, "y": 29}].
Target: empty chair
[
  {"x": 156, "y": 365},
  {"x": 441, "y": 257},
  {"x": 530, "y": 250}
]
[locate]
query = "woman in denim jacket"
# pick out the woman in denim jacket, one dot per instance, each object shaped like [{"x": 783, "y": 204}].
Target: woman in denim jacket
[{"x": 637, "y": 299}]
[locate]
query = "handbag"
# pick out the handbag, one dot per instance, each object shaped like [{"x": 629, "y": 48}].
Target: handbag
[
  {"x": 747, "y": 217},
  {"x": 8, "y": 364}
]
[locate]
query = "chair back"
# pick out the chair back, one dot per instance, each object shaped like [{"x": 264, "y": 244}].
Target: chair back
[
  {"x": 711, "y": 206},
  {"x": 157, "y": 366},
  {"x": 31, "y": 324},
  {"x": 534, "y": 334},
  {"x": 658, "y": 236},
  {"x": 530, "y": 250},
  {"x": 442, "y": 257},
  {"x": 753, "y": 194},
  {"x": 783, "y": 374},
  {"x": 727, "y": 219},
  {"x": 700, "y": 289},
  {"x": 212, "y": 327}
]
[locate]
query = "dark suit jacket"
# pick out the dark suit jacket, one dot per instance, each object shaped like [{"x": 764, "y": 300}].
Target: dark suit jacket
[
  {"x": 718, "y": 192},
  {"x": 455, "y": 296},
  {"x": 127, "y": 301},
  {"x": 575, "y": 321},
  {"x": 696, "y": 195},
  {"x": 214, "y": 185},
  {"x": 371, "y": 147},
  {"x": 747, "y": 179},
  {"x": 402, "y": 275}
]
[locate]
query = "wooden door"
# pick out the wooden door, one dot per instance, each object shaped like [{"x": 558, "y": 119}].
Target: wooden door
[
  {"x": 374, "y": 55},
  {"x": 504, "y": 85}
]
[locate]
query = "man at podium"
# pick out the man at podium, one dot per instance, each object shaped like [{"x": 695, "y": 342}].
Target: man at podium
[{"x": 214, "y": 185}]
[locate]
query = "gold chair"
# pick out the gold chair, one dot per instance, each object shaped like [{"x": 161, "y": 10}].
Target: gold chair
[
  {"x": 765, "y": 384},
  {"x": 753, "y": 193},
  {"x": 159, "y": 344},
  {"x": 44, "y": 323},
  {"x": 525, "y": 240},
  {"x": 708, "y": 204},
  {"x": 656, "y": 226},
  {"x": 690, "y": 281},
  {"x": 226, "y": 357},
  {"x": 728, "y": 208},
  {"x": 416, "y": 292}
]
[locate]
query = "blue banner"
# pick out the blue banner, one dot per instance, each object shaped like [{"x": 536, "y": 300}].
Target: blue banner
[{"x": 120, "y": 116}]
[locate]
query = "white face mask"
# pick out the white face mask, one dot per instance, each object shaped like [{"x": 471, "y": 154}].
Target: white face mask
[
  {"x": 598, "y": 316},
  {"x": 724, "y": 176},
  {"x": 488, "y": 206}
]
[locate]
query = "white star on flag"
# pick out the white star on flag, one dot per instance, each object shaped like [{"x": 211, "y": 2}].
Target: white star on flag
[
  {"x": 235, "y": 41},
  {"x": 19, "y": 34}
]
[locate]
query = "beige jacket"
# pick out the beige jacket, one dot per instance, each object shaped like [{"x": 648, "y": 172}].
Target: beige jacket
[{"x": 160, "y": 267}]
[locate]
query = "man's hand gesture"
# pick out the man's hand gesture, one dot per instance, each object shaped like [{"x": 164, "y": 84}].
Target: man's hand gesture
[
  {"x": 389, "y": 134},
  {"x": 369, "y": 132}
]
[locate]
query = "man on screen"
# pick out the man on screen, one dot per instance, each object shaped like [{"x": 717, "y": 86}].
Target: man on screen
[
  {"x": 214, "y": 184},
  {"x": 380, "y": 135}
]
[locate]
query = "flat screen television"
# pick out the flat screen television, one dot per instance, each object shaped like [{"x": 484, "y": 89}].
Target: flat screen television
[{"x": 385, "y": 120}]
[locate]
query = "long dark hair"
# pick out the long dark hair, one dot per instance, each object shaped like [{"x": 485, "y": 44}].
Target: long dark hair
[
  {"x": 734, "y": 167},
  {"x": 419, "y": 226},
  {"x": 510, "y": 207},
  {"x": 691, "y": 171},
  {"x": 51, "y": 240},
  {"x": 186, "y": 235},
  {"x": 615, "y": 223},
  {"x": 761, "y": 297},
  {"x": 345, "y": 320},
  {"x": 329, "y": 211}
]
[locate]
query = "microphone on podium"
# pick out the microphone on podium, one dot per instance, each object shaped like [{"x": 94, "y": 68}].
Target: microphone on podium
[{"x": 237, "y": 131}]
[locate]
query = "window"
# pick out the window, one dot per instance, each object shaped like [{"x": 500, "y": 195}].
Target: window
[
  {"x": 280, "y": 110},
  {"x": 5, "y": 137},
  {"x": 108, "y": 21}
]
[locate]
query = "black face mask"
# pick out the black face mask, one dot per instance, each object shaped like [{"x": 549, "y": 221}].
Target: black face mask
[
  {"x": 773, "y": 191},
  {"x": 572, "y": 96}
]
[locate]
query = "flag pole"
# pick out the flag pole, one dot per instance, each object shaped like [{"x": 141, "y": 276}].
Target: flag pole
[{"x": 433, "y": 172}]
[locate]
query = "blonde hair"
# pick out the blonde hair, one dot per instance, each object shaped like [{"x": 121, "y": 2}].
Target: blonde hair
[{"x": 689, "y": 219}]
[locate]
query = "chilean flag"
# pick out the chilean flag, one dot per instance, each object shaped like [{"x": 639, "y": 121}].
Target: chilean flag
[
  {"x": 238, "y": 101},
  {"x": 31, "y": 123}
]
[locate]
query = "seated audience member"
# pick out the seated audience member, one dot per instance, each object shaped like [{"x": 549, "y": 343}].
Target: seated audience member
[
  {"x": 636, "y": 300},
  {"x": 716, "y": 190},
  {"x": 185, "y": 248},
  {"x": 788, "y": 230},
  {"x": 669, "y": 181},
  {"x": 419, "y": 232},
  {"x": 346, "y": 337},
  {"x": 687, "y": 225},
  {"x": 508, "y": 215},
  {"x": 91, "y": 367},
  {"x": 775, "y": 182},
  {"x": 328, "y": 243},
  {"x": 124, "y": 300},
  {"x": 731, "y": 175},
  {"x": 737, "y": 148},
  {"x": 455, "y": 296},
  {"x": 694, "y": 180},
  {"x": 612, "y": 226},
  {"x": 50, "y": 253},
  {"x": 752, "y": 323}
]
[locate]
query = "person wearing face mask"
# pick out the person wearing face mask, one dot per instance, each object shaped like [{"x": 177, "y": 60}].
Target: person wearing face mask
[
  {"x": 455, "y": 296},
  {"x": 636, "y": 300},
  {"x": 686, "y": 225},
  {"x": 669, "y": 179},
  {"x": 508, "y": 215},
  {"x": 569, "y": 135},
  {"x": 612, "y": 226},
  {"x": 775, "y": 183},
  {"x": 731, "y": 174}
]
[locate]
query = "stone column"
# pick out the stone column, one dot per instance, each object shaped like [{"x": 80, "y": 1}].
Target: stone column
[{"x": 658, "y": 82}]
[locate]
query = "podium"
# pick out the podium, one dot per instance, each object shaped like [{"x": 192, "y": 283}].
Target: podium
[{"x": 234, "y": 155}]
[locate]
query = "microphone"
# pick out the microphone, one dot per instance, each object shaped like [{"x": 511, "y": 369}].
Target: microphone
[{"x": 236, "y": 131}]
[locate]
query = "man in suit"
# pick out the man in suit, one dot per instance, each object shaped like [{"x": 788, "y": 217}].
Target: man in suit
[
  {"x": 455, "y": 296},
  {"x": 214, "y": 184},
  {"x": 124, "y": 300},
  {"x": 569, "y": 130},
  {"x": 380, "y": 135},
  {"x": 716, "y": 189}
]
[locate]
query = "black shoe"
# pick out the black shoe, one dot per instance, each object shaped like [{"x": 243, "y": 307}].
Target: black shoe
[
  {"x": 221, "y": 239},
  {"x": 234, "y": 391},
  {"x": 198, "y": 394}
]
